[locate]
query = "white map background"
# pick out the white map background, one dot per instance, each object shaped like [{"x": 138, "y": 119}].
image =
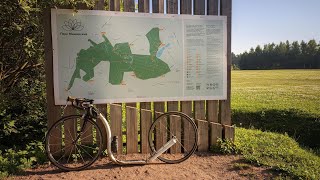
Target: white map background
[{"x": 120, "y": 28}]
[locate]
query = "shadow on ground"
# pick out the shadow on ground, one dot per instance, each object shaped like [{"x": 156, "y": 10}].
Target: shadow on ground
[{"x": 303, "y": 127}]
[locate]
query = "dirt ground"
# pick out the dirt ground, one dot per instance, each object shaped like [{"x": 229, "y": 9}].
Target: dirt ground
[{"x": 198, "y": 166}]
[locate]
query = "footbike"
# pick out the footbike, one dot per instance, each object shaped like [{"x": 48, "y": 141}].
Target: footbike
[{"x": 75, "y": 142}]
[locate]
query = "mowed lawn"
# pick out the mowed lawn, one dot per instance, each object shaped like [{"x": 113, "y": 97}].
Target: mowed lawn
[{"x": 256, "y": 90}]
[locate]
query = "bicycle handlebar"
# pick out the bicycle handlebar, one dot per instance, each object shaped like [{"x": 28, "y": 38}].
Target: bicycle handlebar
[{"x": 79, "y": 102}]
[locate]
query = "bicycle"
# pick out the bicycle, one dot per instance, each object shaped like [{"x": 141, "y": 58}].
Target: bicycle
[{"x": 72, "y": 148}]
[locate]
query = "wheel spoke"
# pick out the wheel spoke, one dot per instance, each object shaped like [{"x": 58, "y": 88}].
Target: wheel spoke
[
  {"x": 85, "y": 150},
  {"x": 73, "y": 155},
  {"x": 166, "y": 125}
]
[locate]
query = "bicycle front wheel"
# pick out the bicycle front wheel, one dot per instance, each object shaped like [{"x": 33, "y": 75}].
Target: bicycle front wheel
[
  {"x": 169, "y": 125},
  {"x": 73, "y": 143}
]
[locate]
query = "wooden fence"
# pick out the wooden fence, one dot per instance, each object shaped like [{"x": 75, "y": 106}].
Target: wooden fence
[{"x": 213, "y": 118}]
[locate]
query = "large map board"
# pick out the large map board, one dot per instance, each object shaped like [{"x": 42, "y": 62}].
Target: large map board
[{"x": 136, "y": 57}]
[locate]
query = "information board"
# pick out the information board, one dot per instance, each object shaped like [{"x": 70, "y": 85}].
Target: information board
[{"x": 138, "y": 57}]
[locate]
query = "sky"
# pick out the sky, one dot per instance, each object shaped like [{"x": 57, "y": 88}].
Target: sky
[{"x": 259, "y": 22}]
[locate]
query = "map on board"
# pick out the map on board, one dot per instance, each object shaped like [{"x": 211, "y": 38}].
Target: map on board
[{"x": 131, "y": 57}]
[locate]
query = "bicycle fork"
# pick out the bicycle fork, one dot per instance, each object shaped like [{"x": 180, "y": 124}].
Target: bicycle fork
[{"x": 150, "y": 159}]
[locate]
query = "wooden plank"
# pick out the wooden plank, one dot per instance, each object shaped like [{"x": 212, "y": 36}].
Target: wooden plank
[
  {"x": 111, "y": 5},
  {"x": 203, "y": 135},
  {"x": 146, "y": 121},
  {"x": 161, "y": 6},
  {"x": 99, "y": 5},
  {"x": 213, "y": 106},
  {"x": 101, "y": 107},
  {"x": 117, "y": 5},
  {"x": 159, "y": 107},
  {"x": 228, "y": 132},
  {"x": 199, "y": 7},
  {"x": 175, "y": 128},
  {"x": 215, "y": 133},
  {"x": 173, "y": 105},
  {"x": 213, "y": 7},
  {"x": 212, "y": 110},
  {"x": 172, "y": 6},
  {"x": 186, "y": 107},
  {"x": 185, "y": 7},
  {"x": 116, "y": 124},
  {"x": 129, "y": 5},
  {"x": 132, "y": 130},
  {"x": 143, "y": 6},
  {"x": 225, "y": 110},
  {"x": 157, "y": 6},
  {"x": 160, "y": 134},
  {"x": 145, "y": 105},
  {"x": 199, "y": 110},
  {"x": 53, "y": 112}
]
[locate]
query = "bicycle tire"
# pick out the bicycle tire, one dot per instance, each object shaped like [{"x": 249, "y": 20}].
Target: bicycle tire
[
  {"x": 174, "y": 124},
  {"x": 59, "y": 138}
]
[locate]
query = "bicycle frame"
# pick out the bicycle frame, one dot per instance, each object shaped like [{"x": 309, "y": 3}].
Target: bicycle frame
[{"x": 150, "y": 159}]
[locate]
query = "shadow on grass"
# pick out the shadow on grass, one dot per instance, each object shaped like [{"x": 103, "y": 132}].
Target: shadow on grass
[{"x": 303, "y": 127}]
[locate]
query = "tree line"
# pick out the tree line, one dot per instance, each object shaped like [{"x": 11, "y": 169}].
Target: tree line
[{"x": 285, "y": 55}]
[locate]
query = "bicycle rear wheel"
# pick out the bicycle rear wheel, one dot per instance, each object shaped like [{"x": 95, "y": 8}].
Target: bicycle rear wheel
[
  {"x": 73, "y": 145},
  {"x": 168, "y": 125}
]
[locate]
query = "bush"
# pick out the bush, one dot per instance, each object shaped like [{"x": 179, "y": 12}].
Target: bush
[{"x": 14, "y": 161}]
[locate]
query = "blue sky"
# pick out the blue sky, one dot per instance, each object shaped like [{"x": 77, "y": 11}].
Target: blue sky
[{"x": 258, "y": 22}]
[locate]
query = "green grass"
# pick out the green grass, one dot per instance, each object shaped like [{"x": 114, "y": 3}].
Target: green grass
[
  {"x": 286, "y": 101},
  {"x": 276, "y": 89},
  {"x": 278, "y": 151}
]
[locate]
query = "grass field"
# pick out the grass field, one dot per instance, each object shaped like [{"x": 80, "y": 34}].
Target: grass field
[
  {"x": 285, "y": 101},
  {"x": 276, "y": 89}
]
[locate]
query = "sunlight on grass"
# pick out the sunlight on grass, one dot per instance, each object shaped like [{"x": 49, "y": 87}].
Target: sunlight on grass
[{"x": 276, "y": 89}]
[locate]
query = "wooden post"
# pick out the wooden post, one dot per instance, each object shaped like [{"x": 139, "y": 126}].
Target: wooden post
[{"x": 225, "y": 106}]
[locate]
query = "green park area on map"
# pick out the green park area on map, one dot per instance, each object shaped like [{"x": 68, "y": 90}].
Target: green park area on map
[{"x": 121, "y": 60}]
